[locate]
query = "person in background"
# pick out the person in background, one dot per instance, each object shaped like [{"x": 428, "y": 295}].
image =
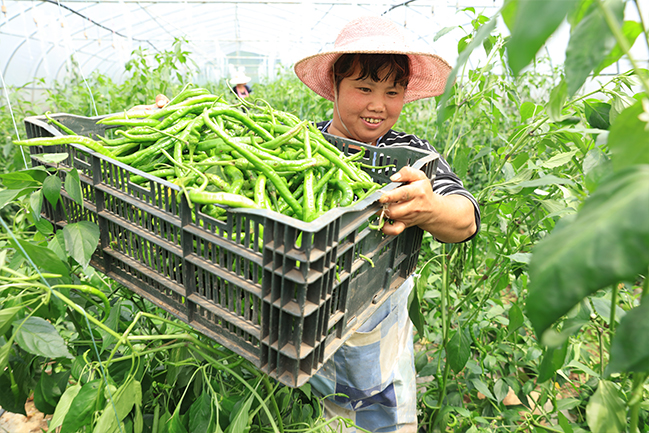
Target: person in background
[
  {"x": 239, "y": 81},
  {"x": 369, "y": 75}
]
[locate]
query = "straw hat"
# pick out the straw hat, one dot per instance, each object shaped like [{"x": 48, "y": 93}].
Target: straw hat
[
  {"x": 375, "y": 35},
  {"x": 239, "y": 77}
]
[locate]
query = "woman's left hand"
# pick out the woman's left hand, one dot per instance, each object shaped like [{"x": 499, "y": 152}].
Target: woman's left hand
[{"x": 449, "y": 218}]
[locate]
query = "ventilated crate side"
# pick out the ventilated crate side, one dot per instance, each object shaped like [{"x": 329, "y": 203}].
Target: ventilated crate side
[{"x": 282, "y": 293}]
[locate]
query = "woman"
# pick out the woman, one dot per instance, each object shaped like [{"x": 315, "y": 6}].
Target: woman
[{"x": 369, "y": 75}]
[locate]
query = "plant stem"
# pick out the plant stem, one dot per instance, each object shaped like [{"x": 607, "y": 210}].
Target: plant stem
[
  {"x": 635, "y": 401},
  {"x": 612, "y": 314}
]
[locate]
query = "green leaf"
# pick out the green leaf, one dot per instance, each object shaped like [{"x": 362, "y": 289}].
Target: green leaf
[
  {"x": 122, "y": 403},
  {"x": 458, "y": 350},
  {"x": 501, "y": 389},
  {"x": 597, "y": 113},
  {"x": 112, "y": 322},
  {"x": 552, "y": 361},
  {"x": 73, "y": 186},
  {"x": 482, "y": 388},
  {"x": 560, "y": 159},
  {"x": 4, "y": 355},
  {"x": 82, "y": 406},
  {"x": 629, "y": 350},
  {"x": 606, "y": 409},
  {"x": 516, "y": 318},
  {"x": 81, "y": 240},
  {"x": 606, "y": 243},
  {"x": 414, "y": 301},
  {"x": 556, "y": 101},
  {"x": 50, "y": 158},
  {"x": 239, "y": 423},
  {"x": 628, "y": 138},
  {"x": 52, "y": 189},
  {"x": 590, "y": 42},
  {"x": 631, "y": 30},
  {"x": 36, "y": 203},
  {"x": 31, "y": 178},
  {"x": 39, "y": 337},
  {"x": 8, "y": 195},
  {"x": 7, "y": 317},
  {"x": 533, "y": 23},
  {"x": 564, "y": 423},
  {"x": 49, "y": 389},
  {"x": 443, "y": 32},
  {"x": 201, "y": 414},
  {"x": 42, "y": 257},
  {"x": 64, "y": 406},
  {"x": 528, "y": 110}
]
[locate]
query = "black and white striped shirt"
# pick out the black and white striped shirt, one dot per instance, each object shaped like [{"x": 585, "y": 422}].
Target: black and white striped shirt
[{"x": 446, "y": 181}]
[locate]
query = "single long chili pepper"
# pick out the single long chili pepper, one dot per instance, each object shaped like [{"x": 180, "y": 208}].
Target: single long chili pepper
[
  {"x": 223, "y": 198},
  {"x": 138, "y": 156},
  {"x": 236, "y": 179},
  {"x": 242, "y": 118},
  {"x": 259, "y": 192},
  {"x": 259, "y": 164},
  {"x": 162, "y": 173},
  {"x": 60, "y": 125},
  {"x": 283, "y": 138},
  {"x": 182, "y": 112},
  {"x": 346, "y": 190},
  {"x": 309, "y": 200},
  {"x": 182, "y": 140},
  {"x": 66, "y": 139},
  {"x": 129, "y": 122}
]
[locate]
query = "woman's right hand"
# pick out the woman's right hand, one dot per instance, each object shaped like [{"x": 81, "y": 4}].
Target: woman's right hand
[{"x": 159, "y": 102}]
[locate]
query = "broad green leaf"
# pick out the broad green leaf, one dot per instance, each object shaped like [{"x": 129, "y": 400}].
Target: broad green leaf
[
  {"x": 553, "y": 360},
  {"x": 12, "y": 397},
  {"x": 567, "y": 403},
  {"x": 580, "y": 366},
  {"x": 533, "y": 23},
  {"x": 595, "y": 166},
  {"x": 628, "y": 138},
  {"x": 239, "y": 423},
  {"x": 501, "y": 389},
  {"x": 458, "y": 350},
  {"x": 44, "y": 226},
  {"x": 590, "y": 42},
  {"x": 520, "y": 257},
  {"x": 175, "y": 424},
  {"x": 4, "y": 355},
  {"x": 415, "y": 312},
  {"x": 201, "y": 414},
  {"x": 597, "y": 113},
  {"x": 528, "y": 110},
  {"x": 564, "y": 423},
  {"x": 560, "y": 159},
  {"x": 482, "y": 388},
  {"x": 50, "y": 158},
  {"x": 49, "y": 389},
  {"x": 32, "y": 178},
  {"x": 8, "y": 195},
  {"x": 52, "y": 189},
  {"x": 631, "y": 30},
  {"x": 73, "y": 186},
  {"x": 7, "y": 317},
  {"x": 112, "y": 322},
  {"x": 515, "y": 318},
  {"x": 545, "y": 180},
  {"x": 606, "y": 243},
  {"x": 629, "y": 350},
  {"x": 82, "y": 406},
  {"x": 556, "y": 101},
  {"x": 36, "y": 203},
  {"x": 39, "y": 337},
  {"x": 443, "y": 32},
  {"x": 120, "y": 406},
  {"x": 64, "y": 406},
  {"x": 43, "y": 257},
  {"x": 606, "y": 409},
  {"x": 81, "y": 240}
]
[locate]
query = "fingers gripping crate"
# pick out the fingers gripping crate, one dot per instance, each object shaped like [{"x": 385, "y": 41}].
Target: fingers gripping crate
[{"x": 280, "y": 292}]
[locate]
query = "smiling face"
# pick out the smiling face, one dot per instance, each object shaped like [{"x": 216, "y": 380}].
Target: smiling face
[{"x": 369, "y": 103}]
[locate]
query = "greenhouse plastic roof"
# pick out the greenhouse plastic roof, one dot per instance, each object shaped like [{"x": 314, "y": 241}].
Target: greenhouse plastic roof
[{"x": 38, "y": 38}]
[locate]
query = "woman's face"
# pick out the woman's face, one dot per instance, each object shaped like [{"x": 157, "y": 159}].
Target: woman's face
[{"x": 367, "y": 108}]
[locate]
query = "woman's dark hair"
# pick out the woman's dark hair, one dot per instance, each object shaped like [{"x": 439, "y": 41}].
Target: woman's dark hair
[{"x": 372, "y": 65}]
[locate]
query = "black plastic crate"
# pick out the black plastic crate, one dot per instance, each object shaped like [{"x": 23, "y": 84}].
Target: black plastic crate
[{"x": 283, "y": 293}]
